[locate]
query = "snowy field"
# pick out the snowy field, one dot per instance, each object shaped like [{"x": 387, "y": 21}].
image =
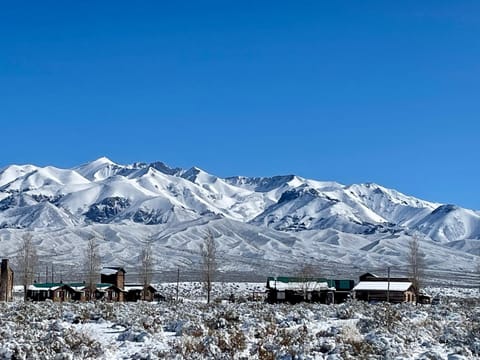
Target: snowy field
[{"x": 245, "y": 329}]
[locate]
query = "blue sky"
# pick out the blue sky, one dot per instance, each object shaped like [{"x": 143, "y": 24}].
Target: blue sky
[{"x": 351, "y": 91}]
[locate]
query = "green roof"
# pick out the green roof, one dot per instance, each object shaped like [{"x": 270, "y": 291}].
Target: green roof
[
  {"x": 79, "y": 284},
  {"x": 47, "y": 285}
]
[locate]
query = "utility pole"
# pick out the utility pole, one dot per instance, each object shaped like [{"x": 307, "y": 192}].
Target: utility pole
[
  {"x": 52, "y": 273},
  {"x": 388, "y": 284},
  {"x": 46, "y": 273},
  {"x": 178, "y": 281}
]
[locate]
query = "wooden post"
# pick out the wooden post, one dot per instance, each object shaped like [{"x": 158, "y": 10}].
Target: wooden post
[
  {"x": 178, "y": 281},
  {"x": 388, "y": 284}
]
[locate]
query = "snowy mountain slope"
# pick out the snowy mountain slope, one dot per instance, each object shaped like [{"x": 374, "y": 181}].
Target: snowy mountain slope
[
  {"x": 240, "y": 248},
  {"x": 259, "y": 222},
  {"x": 26, "y": 212},
  {"x": 12, "y": 172},
  {"x": 42, "y": 177},
  {"x": 450, "y": 222},
  {"x": 391, "y": 205},
  {"x": 305, "y": 207}
]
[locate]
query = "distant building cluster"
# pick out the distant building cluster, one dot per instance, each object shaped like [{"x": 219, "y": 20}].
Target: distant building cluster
[
  {"x": 112, "y": 287},
  {"x": 328, "y": 291}
]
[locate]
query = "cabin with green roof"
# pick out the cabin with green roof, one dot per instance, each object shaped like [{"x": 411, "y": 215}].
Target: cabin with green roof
[
  {"x": 60, "y": 292},
  {"x": 310, "y": 289}
]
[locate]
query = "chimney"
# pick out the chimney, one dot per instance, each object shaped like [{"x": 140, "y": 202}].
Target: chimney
[{"x": 5, "y": 284}]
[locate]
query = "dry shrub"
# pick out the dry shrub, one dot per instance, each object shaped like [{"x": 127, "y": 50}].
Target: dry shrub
[{"x": 265, "y": 353}]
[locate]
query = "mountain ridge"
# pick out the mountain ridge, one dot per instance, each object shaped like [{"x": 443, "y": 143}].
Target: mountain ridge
[{"x": 157, "y": 199}]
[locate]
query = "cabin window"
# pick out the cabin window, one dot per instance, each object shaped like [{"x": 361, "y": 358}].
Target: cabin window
[{"x": 281, "y": 295}]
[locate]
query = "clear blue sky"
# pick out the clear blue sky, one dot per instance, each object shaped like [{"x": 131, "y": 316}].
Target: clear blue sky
[{"x": 351, "y": 91}]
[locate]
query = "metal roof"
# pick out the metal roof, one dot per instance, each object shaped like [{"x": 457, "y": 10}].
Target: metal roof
[
  {"x": 304, "y": 285},
  {"x": 383, "y": 285}
]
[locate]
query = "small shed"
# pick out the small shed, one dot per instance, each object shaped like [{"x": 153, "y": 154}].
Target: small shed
[
  {"x": 392, "y": 291},
  {"x": 107, "y": 292},
  {"x": 136, "y": 292}
]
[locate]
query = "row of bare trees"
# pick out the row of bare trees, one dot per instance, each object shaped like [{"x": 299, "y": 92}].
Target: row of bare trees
[{"x": 27, "y": 261}]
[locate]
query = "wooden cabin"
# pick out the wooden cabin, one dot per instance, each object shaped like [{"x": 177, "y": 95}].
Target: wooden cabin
[
  {"x": 135, "y": 292},
  {"x": 294, "y": 290},
  {"x": 6, "y": 281},
  {"x": 109, "y": 292},
  {"x": 57, "y": 292},
  {"x": 392, "y": 291},
  {"x": 73, "y": 292},
  {"x": 80, "y": 290},
  {"x": 377, "y": 288}
]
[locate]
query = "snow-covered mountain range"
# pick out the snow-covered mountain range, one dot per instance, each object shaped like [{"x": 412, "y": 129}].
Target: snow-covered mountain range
[{"x": 276, "y": 222}]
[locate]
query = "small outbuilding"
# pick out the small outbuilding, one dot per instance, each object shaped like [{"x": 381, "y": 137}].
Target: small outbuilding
[
  {"x": 391, "y": 291},
  {"x": 137, "y": 292}
]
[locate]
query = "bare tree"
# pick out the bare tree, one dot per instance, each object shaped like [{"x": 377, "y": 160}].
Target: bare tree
[
  {"x": 27, "y": 261},
  {"x": 92, "y": 266},
  {"x": 478, "y": 273},
  {"x": 146, "y": 267},
  {"x": 306, "y": 276},
  {"x": 416, "y": 265},
  {"x": 208, "y": 250}
]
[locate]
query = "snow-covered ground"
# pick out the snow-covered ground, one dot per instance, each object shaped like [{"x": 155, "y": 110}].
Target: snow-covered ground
[{"x": 245, "y": 329}]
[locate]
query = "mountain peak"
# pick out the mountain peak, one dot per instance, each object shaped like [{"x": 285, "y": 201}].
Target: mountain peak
[
  {"x": 103, "y": 160},
  {"x": 164, "y": 168},
  {"x": 98, "y": 169},
  {"x": 195, "y": 173}
]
